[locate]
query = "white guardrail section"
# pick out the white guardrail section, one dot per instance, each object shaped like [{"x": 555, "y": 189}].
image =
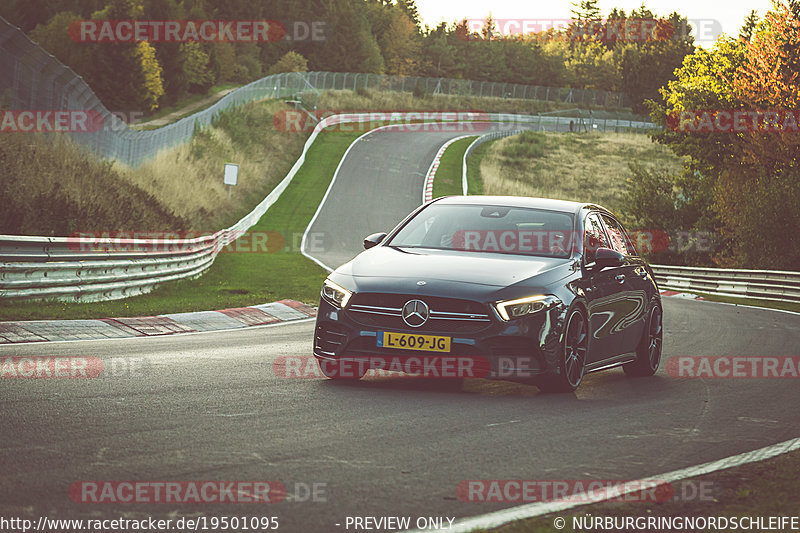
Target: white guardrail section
[
  {"x": 777, "y": 285},
  {"x": 73, "y": 269}
]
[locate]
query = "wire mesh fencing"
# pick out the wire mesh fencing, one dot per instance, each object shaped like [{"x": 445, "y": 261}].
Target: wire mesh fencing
[{"x": 32, "y": 79}]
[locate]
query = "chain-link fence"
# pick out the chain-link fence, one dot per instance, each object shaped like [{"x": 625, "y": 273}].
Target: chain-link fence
[
  {"x": 32, "y": 79},
  {"x": 450, "y": 86}
]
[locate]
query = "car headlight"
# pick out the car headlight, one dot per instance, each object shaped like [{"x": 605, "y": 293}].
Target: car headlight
[
  {"x": 335, "y": 294},
  {"x": 511, "y": 309}
]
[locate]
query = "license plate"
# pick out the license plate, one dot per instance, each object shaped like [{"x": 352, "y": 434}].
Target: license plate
[{"x": 407, "y": 341}]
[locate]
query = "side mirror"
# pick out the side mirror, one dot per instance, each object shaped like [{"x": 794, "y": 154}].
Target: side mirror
[
  {"x": 373, "y": 240},
  {"x": 606, "y": 258}
]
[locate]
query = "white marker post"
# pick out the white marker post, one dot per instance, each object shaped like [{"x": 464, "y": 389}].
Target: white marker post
[{"x": 231, "y": 176}]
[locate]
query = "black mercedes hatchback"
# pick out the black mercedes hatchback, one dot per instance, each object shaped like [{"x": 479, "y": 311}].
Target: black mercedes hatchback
[{"x": 542, "y": 291}]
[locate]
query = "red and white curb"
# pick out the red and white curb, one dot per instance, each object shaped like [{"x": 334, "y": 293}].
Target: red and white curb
[
  {"x": 427, "y": 190},
  {"x": 149, "y": 326},
  {"x": 684, "y": 295},
  {"x": 170, "y": 324}
]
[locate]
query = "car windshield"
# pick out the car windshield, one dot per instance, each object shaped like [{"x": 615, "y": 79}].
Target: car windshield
[{"x": 488, "y": 229}]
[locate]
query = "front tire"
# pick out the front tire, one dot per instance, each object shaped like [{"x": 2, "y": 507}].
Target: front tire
[
  {"x": 648, "y": 354},
  {"x": 572, "y": 364}
]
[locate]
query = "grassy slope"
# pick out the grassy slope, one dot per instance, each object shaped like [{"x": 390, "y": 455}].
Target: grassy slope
[
  {"x": 57, "y": 188},
  {"x": 188, "y": 178},
  {"x": 54, "y": 187},
  {"x": 581, "y": 167},
  {"x": 385, "y": 100},
  {"x": 185, "y": 181},
  {"x": 235, "y": 279}
]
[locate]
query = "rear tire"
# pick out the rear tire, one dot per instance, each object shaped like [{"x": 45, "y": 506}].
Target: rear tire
[
  {"x": 648, "y": 354},
  {"x": 572, "y": 364}
]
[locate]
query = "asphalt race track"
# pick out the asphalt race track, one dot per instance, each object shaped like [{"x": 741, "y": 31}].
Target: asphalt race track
[
  {"x": 209, "y": 406},
  {"x": 378, "y": 184}
]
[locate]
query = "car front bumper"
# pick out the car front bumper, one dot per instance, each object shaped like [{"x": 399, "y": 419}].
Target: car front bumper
[{"x": 519, "y": 349}]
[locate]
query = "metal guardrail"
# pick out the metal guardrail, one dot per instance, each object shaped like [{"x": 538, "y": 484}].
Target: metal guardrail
[
  {"x": 777, "y": 285},
  {"x": 63, "y": 267}
]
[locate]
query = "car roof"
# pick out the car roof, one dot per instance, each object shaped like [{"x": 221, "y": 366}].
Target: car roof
[{"x": 522, "y": 201}]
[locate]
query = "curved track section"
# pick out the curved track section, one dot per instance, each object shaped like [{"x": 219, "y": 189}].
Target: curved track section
[
  {"x": 378, "y": 182},
  {"x": 209, "y": 406}
]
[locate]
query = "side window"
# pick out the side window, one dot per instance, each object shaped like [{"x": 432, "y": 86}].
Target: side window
[
  {"x": 594, "y": 237},
  {"x": 619, "y": 240},
  {"x": 628, "y": 240}
]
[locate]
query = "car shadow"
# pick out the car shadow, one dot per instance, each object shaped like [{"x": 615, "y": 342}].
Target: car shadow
[
  {"x": 613, "y": 386},
  {"x": 462, "y": 386}
]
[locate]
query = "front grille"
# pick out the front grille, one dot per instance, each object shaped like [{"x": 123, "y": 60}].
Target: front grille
[{"x": 447, "y": 314}]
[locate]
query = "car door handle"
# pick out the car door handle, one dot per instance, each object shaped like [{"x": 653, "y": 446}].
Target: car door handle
[{"x": 620, "y": 278}]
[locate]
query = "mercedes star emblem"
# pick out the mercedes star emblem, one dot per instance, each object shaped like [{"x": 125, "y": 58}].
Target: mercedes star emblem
[{"x": 415, "y": 313}]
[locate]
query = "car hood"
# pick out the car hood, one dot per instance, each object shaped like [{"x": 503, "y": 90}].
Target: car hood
[{"x": 450, "y": 273}]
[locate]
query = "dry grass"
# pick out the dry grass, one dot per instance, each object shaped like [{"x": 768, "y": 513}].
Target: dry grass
[
  {"x": 580, "y": 167},
  {"x": 51, "y": 186},
  {"x": 188, "y": 179},
  {"x": 56, "y": 189}
]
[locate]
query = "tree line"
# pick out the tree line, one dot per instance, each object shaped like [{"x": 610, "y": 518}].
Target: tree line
[
  {"x": 733, "y": 111},
  {"x": 742, "y": 185},
  {"x": 374, "y": 36}
]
